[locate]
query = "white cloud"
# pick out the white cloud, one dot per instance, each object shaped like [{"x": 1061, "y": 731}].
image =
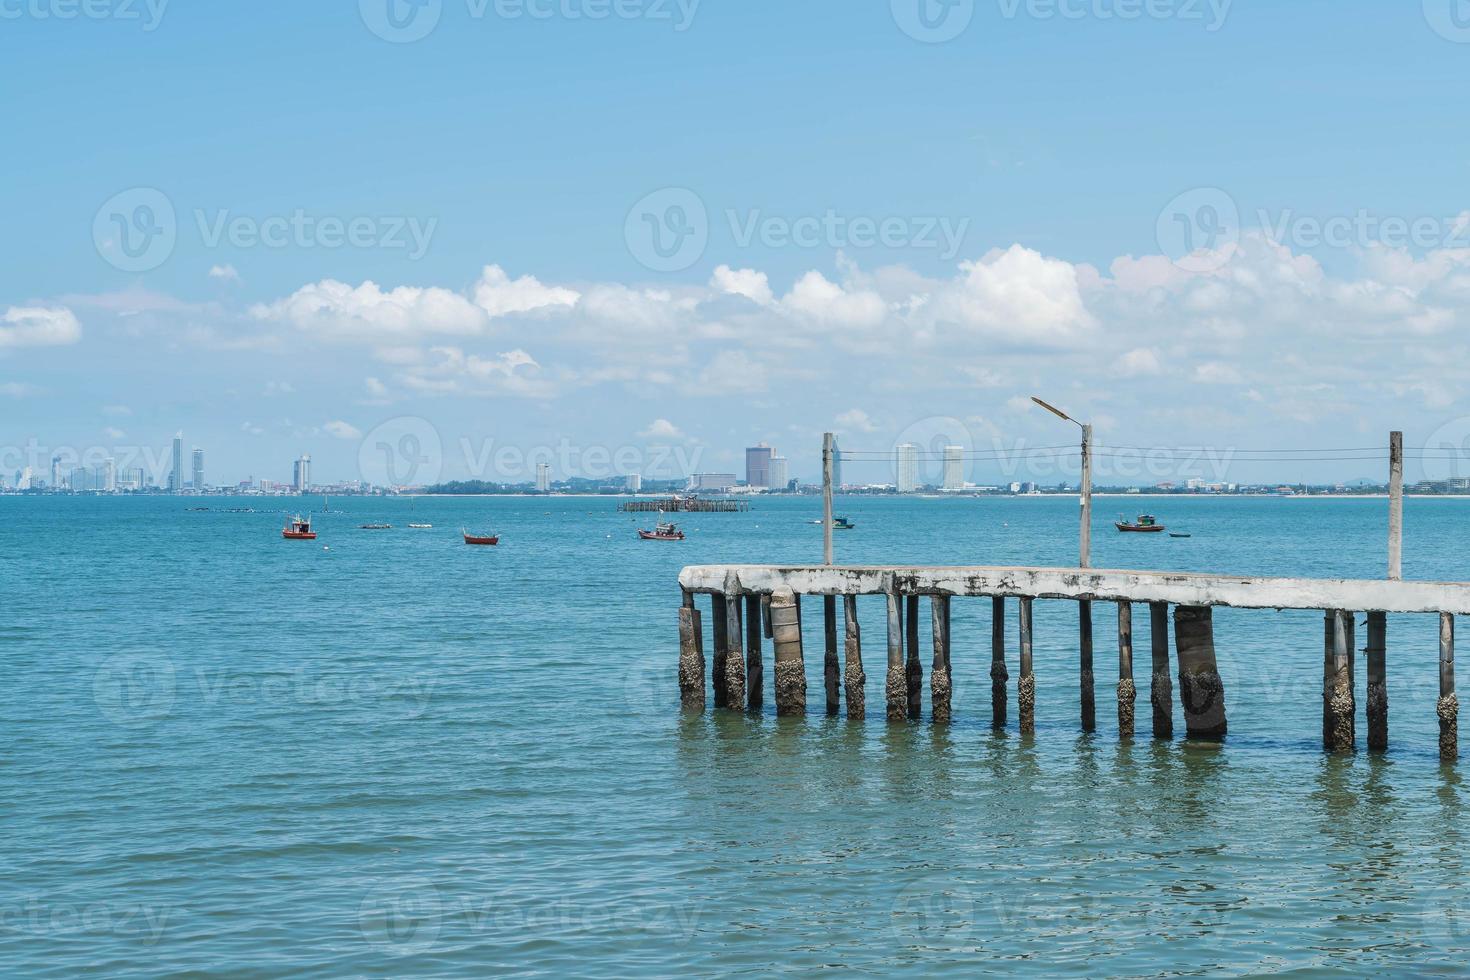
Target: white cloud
[
  {"x": 251, "y": 429},
  {"x": 114, "y": 433},
  {"x": 857, "y": 420},
  {"x": 498, "y": 295},
  {"x": 224, "y": 273},
  {"x": 1215, "y": 373},
  {"x": 1137, "y": 363},
  {"x": 366, "y": 313},
  {"x": 749, "y": 283},
  {"x": 38, "y": 326},
  {"x": 18, "y": 389},
  {"x": 816, "y": 298},
  {"x": 1016, "y": 294},
  {"x": 342, "y": 430},
  {"x": 375, "y": 387},
  {"x": 662, "y": 429}
]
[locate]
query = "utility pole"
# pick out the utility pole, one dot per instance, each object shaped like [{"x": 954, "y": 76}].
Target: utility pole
[
  {"x": 827, "y": 454},
  {"x": 1086, "y": 548},
  {"x": 1395, "y": 506}
]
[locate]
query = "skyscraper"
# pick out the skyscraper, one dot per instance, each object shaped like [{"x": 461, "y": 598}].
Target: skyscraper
[
  {"x": 906, "y": 465},
  {"x": 109, "y": 475},
  {"x": 55, "y": 472},
  {"x": 954, "y": 467},
  {"x": 635, "y": 482},
  {"x": 779, "y": 473},
  {"x": 758, "y": 466},
  {"x": 543, "y": 478},
  {"x": 176, "y": 478},
  {"x": 198, "y": 470},
  {"x": 301, "y": 477}
]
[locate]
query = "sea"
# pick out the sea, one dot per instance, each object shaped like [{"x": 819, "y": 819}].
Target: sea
[{"x": 384, "y": 753}]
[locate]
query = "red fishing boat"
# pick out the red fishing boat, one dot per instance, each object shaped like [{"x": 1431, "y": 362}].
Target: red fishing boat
[
  {"x": 1146, "y": 524},
  {"x": 297, "y": 529},
  {"x": 479, "y": 539},
  {"x": 662, "y": 532}
]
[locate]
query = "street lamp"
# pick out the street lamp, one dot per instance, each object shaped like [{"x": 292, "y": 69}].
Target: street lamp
[{"x": 1086, "y": 540}]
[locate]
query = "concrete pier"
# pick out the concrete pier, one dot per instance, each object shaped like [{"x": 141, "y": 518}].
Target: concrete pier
[
  {"x": 1127, "y": 692},
  {"x": 896, "y": 686},
  {"x": 790, "y": 665},
  {"x": 939, "y": 688},
  {"x": 999, "y": 676},
  {"x": 1026, "y": 687},
  {"x": 1200, "y": 688},
  {"x": 741, "y": 594},
  {"x": 691, "y": 655},
  {"x": 1376, "y": 653},
  {"x": 853, "y": 679},
  {"x": 1161, "y": 690},
  {"x": 913, "y": 666},
  {"x": 831, "y": 669}
]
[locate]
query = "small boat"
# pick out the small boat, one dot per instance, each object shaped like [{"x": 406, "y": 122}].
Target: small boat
[
  {"x": 375, "y": 527},
  {"x": 1176, "y": 534},
  {"x": 297, "y": 529},
  {"x": 421, "y": 527},
  {"x": 842, "y": 524},
  {"x": 479, "y": 539},
  {"x": 665, "y": 531},
  {"x": 1146, "y": 524}
]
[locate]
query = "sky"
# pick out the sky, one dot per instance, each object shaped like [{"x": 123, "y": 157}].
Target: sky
[{"x": 447, "y": 239}]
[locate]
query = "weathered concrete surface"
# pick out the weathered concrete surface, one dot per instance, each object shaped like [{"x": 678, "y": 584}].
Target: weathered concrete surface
[
  {"x": 1180, "y": 588},
  {"x": 913, "y": 668},
  {"x": 691, "y": 658},
  {"x": 754, "y": 669},
  {"x": 939, "y": 686},
  {"x": 790, "y": 666},
  {"x": 1127, "y": 692},
  {"x": 1337, "y": 688},
  {"x": 1026, "y": 686},
  {"x": 853, "y": 679},
  {"x": 1448, "y": 707},
  {"x": 1200, "y": 688},
  {"x": 1376, "y": 652},
  {"x": 1087, "y": 696},
  {"x": 999, "y": 676},
  {"x": 1161, "y": 689},
  {"x": 831, "y": 669},
  {"x": 896, "y": 686},
  {"x": 735, "y": 698}
]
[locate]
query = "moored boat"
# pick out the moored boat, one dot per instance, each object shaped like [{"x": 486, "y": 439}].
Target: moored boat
[
  {"x": 375, "y": 527},
  {"x": 298, "y": 529},
  {"x": 421, "y": 527},
  {"x": 665, "y": 531},
  {"x": 480, "y": 539},
  {"x": 1146, "y": 524}
]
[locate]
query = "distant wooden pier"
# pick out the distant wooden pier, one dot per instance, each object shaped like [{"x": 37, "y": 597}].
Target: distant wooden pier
[{"x": 686, "y": 505}]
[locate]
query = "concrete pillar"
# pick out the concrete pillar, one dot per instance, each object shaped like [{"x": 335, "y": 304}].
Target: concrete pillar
[
  {"x": 939, "y": 690},
  {"x": 1127, "y": 692},
  {"x": 691, "y": 656},
  {"x": 999, "y": 678},
  {"x": 1026, "y": 686},
  {"x": 720, "y": 633},
  {"x": 754, "y": 669},
  {"x": 734, "y": 663},
  {"x": 1329, "y": 675},
  {"x": 1377, "y": 654},
  {"x": 1350, "y": 626},
  {"x": 896, "y": 688},
  {"x": 1200, "y": 688},
  {"x": 831, "y": 669},
  {"x": 854, "y": 680},
  {"x": 766, "y": 617},
  {"x": 1338, "y": 690},
  {"x": 914, "y": 669},
  {"x": 790, "y": 666},
  {"x": 1161, "y": 691},
  {"x": 1089, "y": 700},
  {"x": 1448, "y": 708}
]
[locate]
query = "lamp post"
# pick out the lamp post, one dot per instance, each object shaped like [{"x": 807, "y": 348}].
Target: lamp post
[{"x": 1086, "y": 533}]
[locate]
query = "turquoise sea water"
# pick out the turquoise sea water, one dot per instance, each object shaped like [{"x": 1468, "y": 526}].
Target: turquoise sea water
[{"x": 386, "y": 753}]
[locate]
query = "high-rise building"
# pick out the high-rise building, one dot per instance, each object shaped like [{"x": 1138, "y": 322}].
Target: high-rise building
[
  {"x": 906, "y": 466},
  {"x": 176, "y": 476},
  {"x": 543, "y": 478},
  {"x": 954, "y": 467},
  {"x": 55, "y": 472},
  {"x": 635, "y": 482},
  {"x": 758, "y": 466},
  {"x": 109, "y": 475},
  {"x": 778, "y": 473},
  {"x": 198, "y": 470},
  {"x": 301, "y": 475},
  {"x": 711, "y": 482}
]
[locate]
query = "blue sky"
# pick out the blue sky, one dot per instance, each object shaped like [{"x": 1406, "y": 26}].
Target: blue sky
[{"x": 887, "y": 236}]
